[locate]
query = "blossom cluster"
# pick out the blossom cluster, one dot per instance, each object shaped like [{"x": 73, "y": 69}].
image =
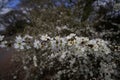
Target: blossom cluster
[
  {"x": 81, "y": 44},
  {"x": 20, "y": 42},
  {"x": 57, "y": 43}
]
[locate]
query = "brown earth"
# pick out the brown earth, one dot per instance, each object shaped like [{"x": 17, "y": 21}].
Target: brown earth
[{"x": 8, "y": 68}]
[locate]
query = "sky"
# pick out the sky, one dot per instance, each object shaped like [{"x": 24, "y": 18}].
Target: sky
[
  {"x": 66, "y": 3},
  {"x": 12, "y": 3}
]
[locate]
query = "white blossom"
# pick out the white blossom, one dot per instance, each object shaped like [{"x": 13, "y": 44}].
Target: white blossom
[
  {"x": 45, "y": 37},
  {"x": 57, "y": 38},
  {"x": 64, "y": 41},
  {"x": 35, "y": 61},
  {"x": 19, "y": 43},
  {"x": 28, "y": 36},
  {"x": 3, "y": 44},
  {"x": 28, "y": 47},
  {"x": 1, "y": 37},
  {"x": 70, "y": 36},
  {"x": 71, "y": 42},
  {"x": 81, "y": 40},
  {"x": 53, "y": 44},
  {"x": 37, "y": 44},
  {"x": 19, "y": 39},
  {"x": 61, "y": 42},
  {"x": 92, "y": 42},
  {"x": 62, "y": 56},
  {"x": 95, "y": 48},
  {"x": 83, "y": 49}
]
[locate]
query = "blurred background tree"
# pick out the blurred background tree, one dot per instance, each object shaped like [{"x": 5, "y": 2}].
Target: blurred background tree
[{"x": 92, "y": 18}]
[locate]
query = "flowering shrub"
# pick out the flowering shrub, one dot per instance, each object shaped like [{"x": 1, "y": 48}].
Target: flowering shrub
[{"x": 63, "y": 58}]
